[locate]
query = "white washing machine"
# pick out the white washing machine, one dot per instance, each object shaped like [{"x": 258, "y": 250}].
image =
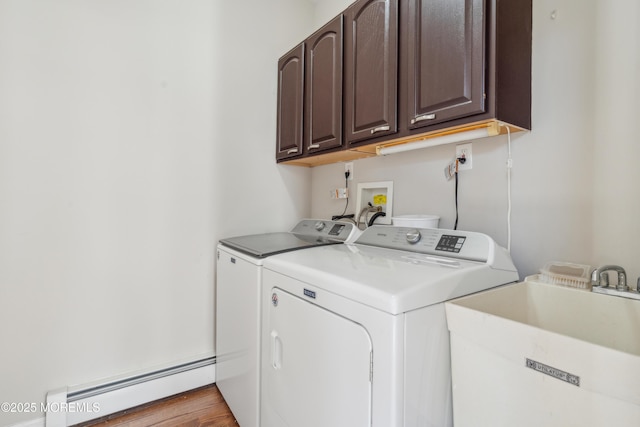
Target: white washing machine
[
  {"x": 355, "y": 335},
  {"x": 238, "y": 294}
]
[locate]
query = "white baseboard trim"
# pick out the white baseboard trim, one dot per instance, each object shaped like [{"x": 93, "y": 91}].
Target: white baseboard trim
[
  {"x": 39, "y": 422},
  {"x": 97, "y": 402}
]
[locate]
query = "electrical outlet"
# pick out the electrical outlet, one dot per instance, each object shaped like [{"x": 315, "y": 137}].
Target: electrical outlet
[
  {"x": 463, "y": 154},
  {"x": 339, "y": 193},
  {"x": 450, "y": 170},
  {"x": 348, "y": 167}
]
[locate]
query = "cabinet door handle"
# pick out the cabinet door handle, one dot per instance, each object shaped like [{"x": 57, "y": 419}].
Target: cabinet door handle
[
  {"x": 313, "y": 146},
  {"x": 293, "y": 150},
  {"x": 379, "y": 129},
  {"x": 423, "y": 117}
]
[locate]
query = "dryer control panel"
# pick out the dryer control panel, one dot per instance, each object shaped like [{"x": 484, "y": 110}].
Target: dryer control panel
[
  {"x": 450, "y": 243},
  {"x": 325, "y": 229}
]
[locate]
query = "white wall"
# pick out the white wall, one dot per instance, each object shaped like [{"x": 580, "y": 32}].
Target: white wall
[
  {"x": 572, "y": 199},
  {"x": 133, "y": 135},
  {"x": 252, "y": 192},
  {"x": 325, "y": 10},
  {"x": 616, "y": 200}
]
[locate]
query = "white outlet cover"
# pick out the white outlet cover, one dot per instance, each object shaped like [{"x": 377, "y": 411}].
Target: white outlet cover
[{"x": 466, "y": 149}]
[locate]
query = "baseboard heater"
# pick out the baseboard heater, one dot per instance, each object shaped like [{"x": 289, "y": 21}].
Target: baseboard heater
[{"x": 69, "y": 406}]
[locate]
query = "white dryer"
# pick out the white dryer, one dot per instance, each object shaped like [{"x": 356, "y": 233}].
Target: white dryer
[
  {"x": 238, "y": 294},
  {"x": 355, "y": 335}
]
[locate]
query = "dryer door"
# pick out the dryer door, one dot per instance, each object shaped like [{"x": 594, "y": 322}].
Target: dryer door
[{"x": 317, "y": 370}]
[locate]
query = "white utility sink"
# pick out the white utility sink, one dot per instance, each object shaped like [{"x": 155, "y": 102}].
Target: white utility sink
[{"x": 533, "y": 354}]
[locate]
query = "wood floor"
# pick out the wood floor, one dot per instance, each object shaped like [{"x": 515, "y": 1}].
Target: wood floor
[{"x": 201, "y": 407}]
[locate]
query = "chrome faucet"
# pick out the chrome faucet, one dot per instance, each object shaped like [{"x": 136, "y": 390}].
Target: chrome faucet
[{"x": 600, "y": 278}]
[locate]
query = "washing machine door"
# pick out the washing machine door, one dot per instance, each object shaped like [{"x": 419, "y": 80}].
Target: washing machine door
[{"x": 317, "y": 370}]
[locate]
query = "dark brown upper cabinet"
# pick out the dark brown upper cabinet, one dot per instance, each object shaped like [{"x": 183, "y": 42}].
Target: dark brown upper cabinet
[
  {"x": 445, "y": 60},
  {"x": 370, "y": 70},
  {"x": 413, "y": 69},
  {"x": 290, "y": 104},
  {"x": 323, "y": 88}
]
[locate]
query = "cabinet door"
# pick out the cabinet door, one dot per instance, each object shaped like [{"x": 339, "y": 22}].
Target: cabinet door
[
  {"x": 323, "y": 80},
  {"x": 290, "y": 103},
  {"x": 370, "y": 69},
  {"x": 445, "y": 60}
]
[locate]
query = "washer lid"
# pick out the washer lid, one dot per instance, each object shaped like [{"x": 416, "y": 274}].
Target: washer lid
[
  {"x": 264, "y": 245},
  {"x": 306, "y": 234},
  {"x": 390, "y": 280}
]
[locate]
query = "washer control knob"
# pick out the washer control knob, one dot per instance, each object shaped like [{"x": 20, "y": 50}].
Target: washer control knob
[
  {"x": 414, "y": 236},
  {"x": 319, "y": 226}
]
